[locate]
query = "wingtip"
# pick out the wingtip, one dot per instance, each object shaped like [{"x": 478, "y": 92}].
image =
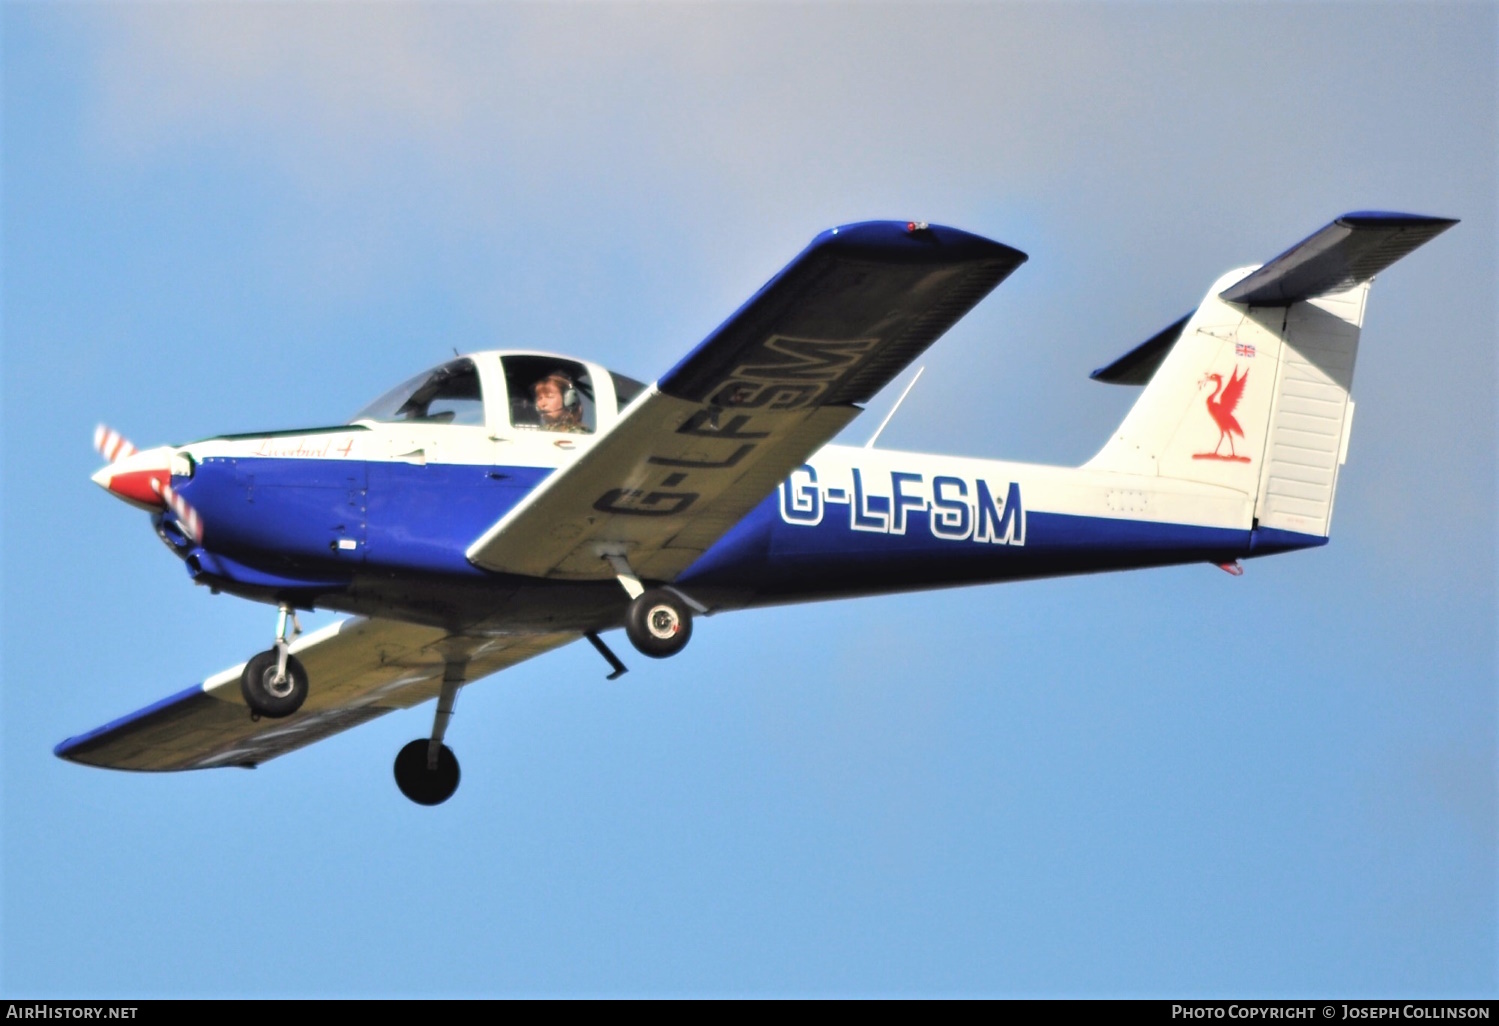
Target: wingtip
[
  {"x": 897, "y": 237},
  {"x": 1395, "y": 219}
]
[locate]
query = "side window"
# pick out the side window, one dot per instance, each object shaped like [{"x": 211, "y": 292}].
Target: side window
[
  {"x": 549, "y": 394},
  {"x": 625, "y": 389}
]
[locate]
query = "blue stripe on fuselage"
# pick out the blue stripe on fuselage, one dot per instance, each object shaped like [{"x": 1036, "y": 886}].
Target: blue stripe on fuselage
[
  {"x": 425, "y": 518},
  {"x": 282, "y": 513},
  {"x": 287, "y": 516},
  {"x": 301, "y": 515},
  {"x": 771, "y": 559}
]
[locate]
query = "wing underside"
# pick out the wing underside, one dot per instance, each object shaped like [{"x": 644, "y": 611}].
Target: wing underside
[{"x": 358, "y": 669}]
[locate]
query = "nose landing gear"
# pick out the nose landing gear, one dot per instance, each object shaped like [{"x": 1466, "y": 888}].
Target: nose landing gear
[{"x": 274, "y": 683}]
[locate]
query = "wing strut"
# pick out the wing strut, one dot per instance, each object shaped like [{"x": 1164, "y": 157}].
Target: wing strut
[{"x": 880, "y": 430}]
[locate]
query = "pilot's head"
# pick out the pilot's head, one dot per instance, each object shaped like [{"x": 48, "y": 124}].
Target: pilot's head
[{"x": 557, "y": 400}]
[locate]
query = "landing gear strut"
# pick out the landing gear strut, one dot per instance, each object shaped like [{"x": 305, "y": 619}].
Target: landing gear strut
[
  {"x": 274, "y": 683},
  {"x": 426, "y": 769}
]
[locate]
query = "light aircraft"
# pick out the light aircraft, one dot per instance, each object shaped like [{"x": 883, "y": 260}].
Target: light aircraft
[{"x": 506, "y": 503}]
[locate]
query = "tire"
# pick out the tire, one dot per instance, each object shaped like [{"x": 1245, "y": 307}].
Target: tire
[
  {"x": 659, "y": 624},
  {"x": 417, "y": 782},
  {"x": 263, "y": 695}
]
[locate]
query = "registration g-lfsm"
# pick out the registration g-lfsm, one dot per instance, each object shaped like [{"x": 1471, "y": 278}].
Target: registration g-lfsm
[{"x": 506, "y": 503}]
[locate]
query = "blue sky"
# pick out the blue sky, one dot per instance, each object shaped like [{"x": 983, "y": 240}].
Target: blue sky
[{"x": 228, "y": 218}]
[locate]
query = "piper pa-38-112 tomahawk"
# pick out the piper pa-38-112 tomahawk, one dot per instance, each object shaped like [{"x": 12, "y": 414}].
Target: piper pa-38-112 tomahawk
[{"x": 506, "y": 503}]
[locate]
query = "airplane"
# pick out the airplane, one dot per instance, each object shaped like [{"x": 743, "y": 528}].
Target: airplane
[{"x": 506, "y": 503}]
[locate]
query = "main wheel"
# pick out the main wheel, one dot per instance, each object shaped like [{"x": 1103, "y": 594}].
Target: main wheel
[
  {"x": 267, "y": 696},
  {"x": 422, "y": 785},
  {"x": 659, "y": 624}
]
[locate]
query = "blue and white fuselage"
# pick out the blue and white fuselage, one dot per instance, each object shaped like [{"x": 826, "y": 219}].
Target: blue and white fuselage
[{"x": 375, "y": 518}]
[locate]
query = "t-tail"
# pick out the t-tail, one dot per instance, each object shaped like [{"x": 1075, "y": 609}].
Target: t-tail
[{"x": 1252, "y": 391}]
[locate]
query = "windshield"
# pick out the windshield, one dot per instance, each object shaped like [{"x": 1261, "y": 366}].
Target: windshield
[{"x": 449, "y": 394}]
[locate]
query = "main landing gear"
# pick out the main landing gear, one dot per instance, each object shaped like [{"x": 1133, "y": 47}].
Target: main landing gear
[
  {"x": 659, "y": 620},
  {"x": 658, "y": 623},
  {"x": 274, "y": 683},
  {"x": 426, "y": 769},
  {"x": 421, "y": 780}
]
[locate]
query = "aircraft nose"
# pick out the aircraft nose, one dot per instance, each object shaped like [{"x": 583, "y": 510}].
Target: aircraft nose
[{"x": 137, "y": 478}]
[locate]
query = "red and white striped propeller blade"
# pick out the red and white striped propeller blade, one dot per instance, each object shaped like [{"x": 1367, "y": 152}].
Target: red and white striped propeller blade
[
  {"x": 111, "y": 444},
  {"x": 187, "y": 517}
]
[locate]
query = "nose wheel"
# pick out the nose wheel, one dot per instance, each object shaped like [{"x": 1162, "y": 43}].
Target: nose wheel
[
  {"x": 274, "y": 683},
  {"x": 270, "y": 689}
]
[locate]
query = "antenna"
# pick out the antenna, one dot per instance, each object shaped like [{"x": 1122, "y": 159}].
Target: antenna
[{"x": 875, "y": 437}]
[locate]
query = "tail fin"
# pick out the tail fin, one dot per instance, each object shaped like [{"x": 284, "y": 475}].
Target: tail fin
[{"x": 1251, "y": 391}]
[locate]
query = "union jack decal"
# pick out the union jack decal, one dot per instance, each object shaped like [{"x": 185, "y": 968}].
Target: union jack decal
[{"x": 1244, "y": 350}]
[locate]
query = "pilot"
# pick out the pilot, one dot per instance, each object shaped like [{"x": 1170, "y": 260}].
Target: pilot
[{"x": 558, "y": 406}]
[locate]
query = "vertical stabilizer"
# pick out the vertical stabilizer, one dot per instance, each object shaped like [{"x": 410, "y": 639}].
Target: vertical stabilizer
[
  {"x": 1253, "y": 392},
  {"x": 1204, "y": 413}
]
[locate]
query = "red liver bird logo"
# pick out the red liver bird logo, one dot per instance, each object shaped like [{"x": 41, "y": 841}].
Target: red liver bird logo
[{"x": 1221, "y": 408}]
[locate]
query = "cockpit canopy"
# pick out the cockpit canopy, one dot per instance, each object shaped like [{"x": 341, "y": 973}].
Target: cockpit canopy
[
  {"x": 521, "y": 391},
  {"x": 449, "y": 394}
]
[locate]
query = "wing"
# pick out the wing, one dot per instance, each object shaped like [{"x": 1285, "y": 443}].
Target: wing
[
  {"x": 357, "y": 670},
  {"x": 774, "y": 383}
]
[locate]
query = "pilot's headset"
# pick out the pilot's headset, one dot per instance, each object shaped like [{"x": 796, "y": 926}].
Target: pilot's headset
[{"x": 570, "y": 400}]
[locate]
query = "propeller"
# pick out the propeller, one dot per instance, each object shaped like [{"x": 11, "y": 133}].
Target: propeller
[
  {"x": 111, "y": 444},
  {"x": 187, "y": 517},
  {"x": 143, "y": 478}
]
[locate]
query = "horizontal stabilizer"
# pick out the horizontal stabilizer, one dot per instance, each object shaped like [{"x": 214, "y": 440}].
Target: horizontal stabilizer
[
  {"x": 1352, "y": 249},
  {"x": 1136, "y": 366}
]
